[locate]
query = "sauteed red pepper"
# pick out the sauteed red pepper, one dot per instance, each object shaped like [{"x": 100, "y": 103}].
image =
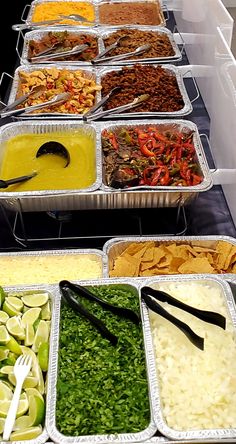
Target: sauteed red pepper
[{"x": 150, "y": 157}]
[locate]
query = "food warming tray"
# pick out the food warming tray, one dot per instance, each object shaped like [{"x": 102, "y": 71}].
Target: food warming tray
[
  {"x": 175, "y": 71},
  {"x": 50, "y": 199},
  {"x": 106, "y": 32},
  {"x": 38, "y": 34},
  {"x": 89, "y": 73},
  {"x": 199, "y": 435},
  {"x": 101, "y": 197},
  {"x": 141, "y": 435},
  {"x": 115, "y": 247}
]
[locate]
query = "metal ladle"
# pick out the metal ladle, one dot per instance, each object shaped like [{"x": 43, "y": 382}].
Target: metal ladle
[{"x": 56, "y": 148}]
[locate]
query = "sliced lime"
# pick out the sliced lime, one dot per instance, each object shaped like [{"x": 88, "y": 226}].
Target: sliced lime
[
  {"x": 42, "y": 335},
  {"x": 37, "y": 372},
  {"x": 30, "y": 433},
  {"x": 36, "y": 414},
  {"x": 4, "y": 335},
  {"x": 2, "y": 423},
  {"x": 46, "y": 312},
  {"x": 22, "y": 423},
  {"x": 35, "y": 300},
  {"x": 5, "y": 392},
  {"x": 15, "y": 328},
  {"x": 2, "y": 296},
  {"x": 30, "y": 381},
  {"x": 13, "y": 346},
  {"x": 15, "y": 302},
  {"x": 3, "y": 352},
  {"x": 43, "y": 355},
  {"x": 29, "y": 334},
  {"x": 9, "y": 309},
  {"x": 30, "y": 316},
  {"x": 34, "y": 392},
  {"x": 7, "y": 369},
  {"x": 3, "y": 317},
  {"x": 22, "y": 406}
]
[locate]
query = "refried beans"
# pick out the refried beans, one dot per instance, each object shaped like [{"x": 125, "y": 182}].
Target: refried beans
[{"x": 135, "y": 13}]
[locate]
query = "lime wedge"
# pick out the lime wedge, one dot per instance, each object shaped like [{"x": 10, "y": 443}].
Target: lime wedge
[
  {"x": 22, "y": 423},
  {"x": 42, "y": 335},
  {"x": 36, "y": 413},
  {"x": 37, "y": 373},
  {"x": 34, "y": 392},
  {"x": 5, "y": 392},
  {"x": 43, "y": 355},
  {"x": 2, "y": 423},
  {"x": 2, "y": 296},
  {"x": 13, "y": 346},
  {"x": 3, "y": 317},
  {"x": 29, "y": 334},
  {"x": 46, "y": 312},
  {"x": 22, "y": 406},
  {"x": 29, "y": 433},
  {"x": 30, "y": 381},
  {"x": 7, "y": 369},
  {"x": 3, "y": 352},
  {"x": 30, "y": 316},
  {"x": 15, "y": 302},
  {"x": 35, "y": 300},
  {"x": 15, "y": 328},
  {"x": 4, "y": 335},
  {"x": 9, "y": 309}
]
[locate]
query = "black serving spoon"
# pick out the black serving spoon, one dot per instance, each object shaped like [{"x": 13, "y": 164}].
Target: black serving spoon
[
  {"x": 56, "y": 148},
  {"x": 6, "y": 183}
]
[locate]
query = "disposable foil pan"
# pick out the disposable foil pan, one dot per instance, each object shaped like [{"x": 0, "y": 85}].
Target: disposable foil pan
[
  {"x": 36, "y": 256},
  {"x": 199, "y": 435},
  {"x": 106, "y": 32},
  {"x": 53, "y": 295},
  {"x": 89, "y": 73},
  {"x": 38, "y": 34},
  {"x": 115, "y": 247},
  {"x": 161, "y": 15},
  {"x": 178, "y": 125},
  {"x": 39, "y": 2},
  {"x": 187, "y": 108},
  {"x": 143, "y": 435},
  {"x": 51, "y": 199}
]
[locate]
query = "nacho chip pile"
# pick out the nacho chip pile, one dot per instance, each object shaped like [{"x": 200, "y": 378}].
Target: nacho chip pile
[{"x": 148, "y": 259}]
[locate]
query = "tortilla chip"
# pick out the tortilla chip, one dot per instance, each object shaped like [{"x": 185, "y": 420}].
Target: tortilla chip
[
  {"x": 149, "y": 253},
  {"x": 133, "y": 248},
  {"x": 176, "y": 263},
  {"x": 141, "y": 252},
  {"x": 204, "y": 250},
  {"x": 126, "y": 266},
  {"x": 184, "y": 251},
  {"x": 224, "y": 250},
  {"x": 196, "y": 265}
]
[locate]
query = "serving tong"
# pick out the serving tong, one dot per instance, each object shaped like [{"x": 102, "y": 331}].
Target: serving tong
[
  {"x": 67, "y": 289},
  {"x": 149, "y": 295},
  {"x": 55, "y": 100},
  {"x": 92, "y": 115},
  {"x": 55, "y": 55},
  {"x": 138, "y": 51},
  {"x": 75, "y": 17}
]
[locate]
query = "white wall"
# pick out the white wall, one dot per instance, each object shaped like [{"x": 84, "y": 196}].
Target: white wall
[{"x": 229, "y": 3}]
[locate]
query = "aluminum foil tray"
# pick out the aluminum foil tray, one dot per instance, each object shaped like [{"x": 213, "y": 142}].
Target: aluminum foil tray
[
  {"x": 206, "y": 435},
  {"x": 38, "y": 34},
  {"x": 106, "y": 32},
  {"x": 187, "y": 108},
  {"x": 179, "y": 125},
  {"x": 143, "y": 435},
  {"x": 115, "y": 247},
  {"x": 39, "y": 2},
  {"x": 10, "y": 264},
  {"x": 50, "y": 199},
  {"x": 161, "y": 15},
  {"x": 89, "y": 72},
  {"x": 53, "y": 295}
]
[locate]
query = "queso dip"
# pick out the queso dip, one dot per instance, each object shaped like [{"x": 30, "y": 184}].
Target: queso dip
[{"x": 20, "y": 159}]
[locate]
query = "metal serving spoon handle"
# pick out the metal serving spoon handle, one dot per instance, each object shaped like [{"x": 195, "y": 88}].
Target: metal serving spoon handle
[
  {"x": 101, "y": 102},
  {"x": 120, "y": 109},
  {"x": 35, "y": 91},
  {"x": 6, "y": 183},
  {"x": 22, "y": 26}
]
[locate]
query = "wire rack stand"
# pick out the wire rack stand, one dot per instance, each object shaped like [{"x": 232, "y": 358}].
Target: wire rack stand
[{"x": 91, "y": 228}]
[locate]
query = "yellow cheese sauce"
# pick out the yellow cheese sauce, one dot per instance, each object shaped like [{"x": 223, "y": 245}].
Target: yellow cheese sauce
[{"x": 20, "y": 159}]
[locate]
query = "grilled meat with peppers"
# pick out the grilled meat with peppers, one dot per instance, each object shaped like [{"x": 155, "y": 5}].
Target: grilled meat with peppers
[{"x": 150, "y": 156}]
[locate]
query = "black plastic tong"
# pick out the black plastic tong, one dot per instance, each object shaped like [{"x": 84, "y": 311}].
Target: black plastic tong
[
  {"x": 67, "y": 289},
  {"x": 211, "y": 317}
]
